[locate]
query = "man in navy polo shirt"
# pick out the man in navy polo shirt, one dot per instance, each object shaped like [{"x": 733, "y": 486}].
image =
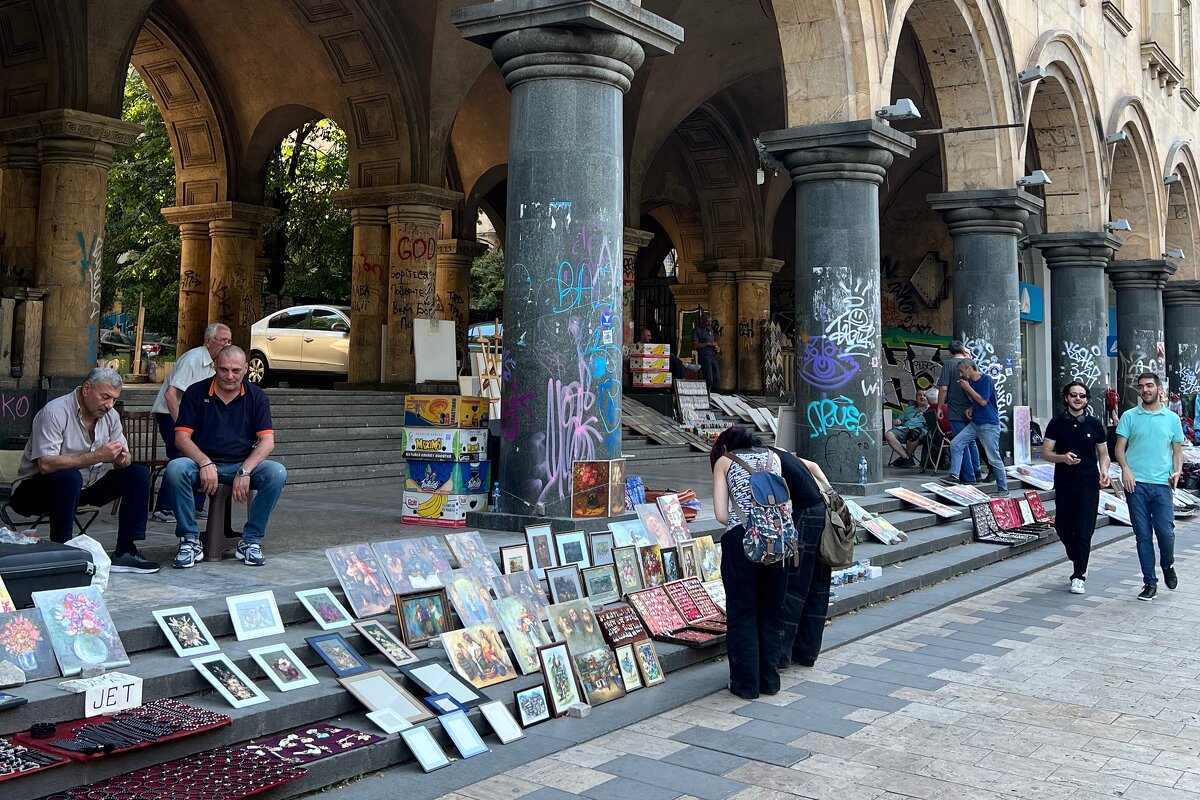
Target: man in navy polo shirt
[{"x": 224, "y": 433}]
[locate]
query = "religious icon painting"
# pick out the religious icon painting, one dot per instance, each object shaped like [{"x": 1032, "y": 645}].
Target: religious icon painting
[
  {"x": 648, "y": 663},
  {"x": 325, "y": 608},
  {"x": 363, "y": 581},
  {"x": 185, "y": 631},
  {"x": 571, "y": 547},
  {"x": 627, "y": 662},
  {"x": 601, "y": 544},
  {"x": 710, "y": 558},
  {"x": 25, "y": 642},
  {"x": 565, "y": 583},
  {"x": 670, "y": 564},
  {"x": 601, "y": 584},
  {"x": 524, "y": 631},
  {"x": 386, "y": 642},
  {"x": 254, "y": 615},
  {"x": 283, "y": 667},
  {"x": 689, "y": 562},
  {"x": 478, "y": 655},
  {"x": 469, "y": 593},
  {"x": 650, "y": 558},
  {"x": 541, "y": 548},
  {"x": 629, "y": 532},
  {"x": 575, "y": 623},
  {"x": 412, "y": 565},
  {"x": 337, "y": 653},
  {"x": 629, "y": 571},
  {"x": 514, "y": 558},
  {"x": 562, "y": 688},
  {"x": 600, "y": 676},
  {"x": 471, "y": 552},
  {"x": 672, "y": 513},
  {"x": 532, "y": 705},
  {"x": 81, "y": 631},
  {"x": 423, "y": 616},
  {"x": 656, "y": 526},
  {"x": 237, "y": 689}
]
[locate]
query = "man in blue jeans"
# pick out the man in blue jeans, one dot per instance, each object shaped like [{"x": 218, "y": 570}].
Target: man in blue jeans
[
  {"x": 1150, "y": 452},
  {"x": 224, "y": 433},
  {"x": 954, "y": 404},
  {"x": 984, "y": 427}
]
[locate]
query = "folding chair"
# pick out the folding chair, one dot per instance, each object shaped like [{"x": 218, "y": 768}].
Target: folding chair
[
  {"x": 145, "y": 445},
  {"x": 10, "y": 462},
  {"x": 936, "y": 446}
]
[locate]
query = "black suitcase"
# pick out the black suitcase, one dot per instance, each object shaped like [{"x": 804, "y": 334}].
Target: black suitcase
[{"x": 29, "y": 568}]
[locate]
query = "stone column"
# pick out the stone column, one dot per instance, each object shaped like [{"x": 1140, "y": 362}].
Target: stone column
[
  {"x": 230, "y": 276},
  {"x": 632, "y": 241},
  {"x": 1181, "y": 325},
  {"x": 195, "y": 257},
  {"x": 453, "y": 285},
  {"x": 1140, "y": 345},
  {"x": 368, "y": 293},
  {"x": 562, "y": 301},
  {"x": 754, "y": 309},
  {"x": 984, "y": 226},
  {"x": 1078, "y": 309},
  {"x": 721, "y": 276},
  {"x": 837, "y": 170},
  {"x": 20, "y": 184}
]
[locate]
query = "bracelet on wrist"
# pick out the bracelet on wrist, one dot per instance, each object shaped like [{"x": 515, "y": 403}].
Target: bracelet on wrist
[{"x": 206, "y": 464}]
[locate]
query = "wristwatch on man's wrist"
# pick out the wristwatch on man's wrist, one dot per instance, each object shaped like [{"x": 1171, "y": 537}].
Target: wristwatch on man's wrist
[{"x": 241, "y": 473}]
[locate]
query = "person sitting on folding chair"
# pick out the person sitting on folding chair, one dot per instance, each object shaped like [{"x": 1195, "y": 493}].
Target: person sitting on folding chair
[
  {"x": 78, "y": 455},
  {"x": 908, "y": 432}
]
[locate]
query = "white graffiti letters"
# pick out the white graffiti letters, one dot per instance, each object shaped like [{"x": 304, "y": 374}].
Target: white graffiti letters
[{"x": 1085, "y": 366}]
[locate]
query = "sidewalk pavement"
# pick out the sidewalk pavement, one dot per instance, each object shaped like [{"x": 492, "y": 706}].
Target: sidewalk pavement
[{"x": 1023, "y": 691}]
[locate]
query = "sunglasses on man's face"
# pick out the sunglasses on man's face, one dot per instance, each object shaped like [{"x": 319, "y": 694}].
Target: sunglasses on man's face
[{"x": 1074, "y": 395}]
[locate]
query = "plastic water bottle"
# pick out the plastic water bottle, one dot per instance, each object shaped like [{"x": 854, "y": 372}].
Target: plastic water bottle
[
  {"x": 862, "y": 470},
  {"x": 496, "y": 496}
]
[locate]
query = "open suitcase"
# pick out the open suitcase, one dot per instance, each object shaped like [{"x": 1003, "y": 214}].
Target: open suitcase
[{"x": 29, "y": 568}]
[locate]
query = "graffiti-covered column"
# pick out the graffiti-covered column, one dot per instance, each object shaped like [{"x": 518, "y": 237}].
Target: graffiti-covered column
[
  {"x": 632, "y": 241},
  {"x": 721, "y": 276},
  {"x": 567, "y": 64},
  {"x": 1140, "y": 345},
  {"x": 453, "y": 285},
  {"x": 837, "y": 170},
  {"x": 195, "y": 256},
  {"x": 1078, "y": 308},
  {"x": 754, "y": 309},
  {"x": 984, "y": 226},
  {"x": 368, "y": 292},
  {"x": 234, "y": 234},
  {"x": 1181, "y": 326}
]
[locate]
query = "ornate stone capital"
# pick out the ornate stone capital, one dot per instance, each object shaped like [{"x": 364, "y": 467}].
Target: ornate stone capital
[
  {"x": 1076, "y": 249},
  {"x": 368, "y": 215},
  {"x": 986, "y": 211},
  {"x": 208, "y": 212},
  {"x": 67, "y": 123},
  {"x": 861, "y": 150},
  {"x": 633, "y": 240},
  {"x": 1181, "y": 294},
  {"x": 1149, "y": 273},
  {"x": 411, "y": 194}
]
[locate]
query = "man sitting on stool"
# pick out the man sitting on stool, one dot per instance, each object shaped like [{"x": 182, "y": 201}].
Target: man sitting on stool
[
  {"x": 224, "y": 433},
  {"x": 908, "y": 432},
  {"x": 78, "y": 455}
]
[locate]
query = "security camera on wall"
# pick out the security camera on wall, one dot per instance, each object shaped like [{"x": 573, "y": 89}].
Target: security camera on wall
[
  {"x": 1117, "y": 225},
  {"x": 1036, "y": 178},
  {"x": 901, "y": 109}
]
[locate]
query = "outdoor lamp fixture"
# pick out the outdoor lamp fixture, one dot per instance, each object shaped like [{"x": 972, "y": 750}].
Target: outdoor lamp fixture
[
  {"x": 1119, "y": 136},
  {"x": 1174, "y": 253},
  {"x": 1171, "y": 179},
  {"x": 901, "y": 109},
  {"x": 1117, "y": 225},
  {"x": 1031, "y": 75},
  {"x": 1036, "y": 178}
]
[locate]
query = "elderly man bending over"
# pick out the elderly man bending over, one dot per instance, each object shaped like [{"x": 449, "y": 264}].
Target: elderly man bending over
[
  {"x": 78, "y": 455},
  {"x": 224, "y": 434}
]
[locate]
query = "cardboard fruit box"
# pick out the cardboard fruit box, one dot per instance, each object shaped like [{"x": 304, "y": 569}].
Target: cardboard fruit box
[
  {"x": 650, "y": 349},
  {"x": 445, "y": 510},
  {"x": 446, "y": 477},
  {"x": 445, "y": 444},
  {"x": 649, "y": 363},
  {"x": 652, "y": 378},
  {"x": 445, "y": 411}
]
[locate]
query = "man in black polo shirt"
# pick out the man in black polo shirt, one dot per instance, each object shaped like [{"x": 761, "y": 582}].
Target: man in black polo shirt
[
  {"x": 1074, "y": 443},
  {"x": 224, "y": 433}
]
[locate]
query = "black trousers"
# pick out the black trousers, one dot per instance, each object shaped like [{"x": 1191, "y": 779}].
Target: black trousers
[
  {"x": 806, "y": 604},
  {"x": 1075, "y": 520},
  {"x": 61, "y": 493},
  {"x": 754, "y": 598}
]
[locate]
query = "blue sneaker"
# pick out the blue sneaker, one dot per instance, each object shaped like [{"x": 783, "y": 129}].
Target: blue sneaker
[
  {"x": 251, "y": 553},
  {"x": 190, "y": 551}
]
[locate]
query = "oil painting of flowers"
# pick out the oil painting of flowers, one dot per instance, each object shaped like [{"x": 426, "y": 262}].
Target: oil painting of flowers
[
  {"x": 25, "y": 642},
  {"x": 81, "y": 630}
]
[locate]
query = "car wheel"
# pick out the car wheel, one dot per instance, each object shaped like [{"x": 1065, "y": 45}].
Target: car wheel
[{"x": 256, "y": 369}]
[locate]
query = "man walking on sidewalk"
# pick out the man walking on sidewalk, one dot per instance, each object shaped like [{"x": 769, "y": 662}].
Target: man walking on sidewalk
[{"x": 1150, "y": 452}]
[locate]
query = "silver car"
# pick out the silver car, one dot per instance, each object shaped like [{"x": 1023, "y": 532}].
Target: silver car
[{"x": 312, "y": 340}]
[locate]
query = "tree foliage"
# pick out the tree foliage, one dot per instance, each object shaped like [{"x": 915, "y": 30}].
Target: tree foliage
[
  {"x": 487, "y": 281},
  {"x": 141, "y": 249}
]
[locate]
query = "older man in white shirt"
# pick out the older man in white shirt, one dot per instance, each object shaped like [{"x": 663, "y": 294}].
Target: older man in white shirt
[{"x": 194, "y": 365}]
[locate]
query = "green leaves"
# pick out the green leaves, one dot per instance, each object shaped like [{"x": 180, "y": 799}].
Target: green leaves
[{"x": 487, "y": 281}]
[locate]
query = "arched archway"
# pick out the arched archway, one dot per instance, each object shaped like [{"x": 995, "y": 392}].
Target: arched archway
[
  {"x": 1182, "y": 230},
  {"x": 1135, "y": 187}
]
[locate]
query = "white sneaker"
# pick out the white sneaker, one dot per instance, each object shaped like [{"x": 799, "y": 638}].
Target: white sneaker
[{"x": 1076, "y": 586}]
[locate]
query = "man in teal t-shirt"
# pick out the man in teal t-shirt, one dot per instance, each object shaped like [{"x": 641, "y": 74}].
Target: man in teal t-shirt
[{"x": 1150, "y": 452}]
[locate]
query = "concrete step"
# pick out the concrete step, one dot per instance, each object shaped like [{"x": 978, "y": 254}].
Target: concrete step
[{"x": 315, "y": 477}]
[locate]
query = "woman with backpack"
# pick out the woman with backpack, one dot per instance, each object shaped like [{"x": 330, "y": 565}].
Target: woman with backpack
[{"x": 754, "y": 591}]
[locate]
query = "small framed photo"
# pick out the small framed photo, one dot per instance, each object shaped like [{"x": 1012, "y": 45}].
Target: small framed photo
[
  {"x": 325, "y": 608},
  {"x": 434, "y": 678},
  {"x": 386, "y": 642},
  {"x": 629, "y": 571},
  {"x": 337, "y": 653},
  {"x": 501, "y": 720},
  {"x": 601, "y": 585},
  {"x": 377, "y": 690},
  {"x": 428, "y": 752},
  {"x": 186, "y": 632},
  {"x": 443, "y": 703},
  {"x": 627, "y": 661},
  {"x": 565, "y": 583},
  {"x": 238, "y": 690},
  {"x": 463, "y": 733},
  {"x": 571, "y": 547},
  {"x": 648, "y": 664},
  {"x": 532, "y": 706},
  {"x": 670, "y": 564},
  {"x": 254, "y": 615},
  {"x": 541, "y": 548},
  {"x": 561, "y": 683},
  {"x": 650, "y": 557},
  {"x": 602, "y": 544},
  {"x": 689, "y": 560},
  {"x": 514, "y": 558},
  {"x": 389, "y": 720},
  {"x": 423, "y": 616},
  {"x": 282, "y": 666}
]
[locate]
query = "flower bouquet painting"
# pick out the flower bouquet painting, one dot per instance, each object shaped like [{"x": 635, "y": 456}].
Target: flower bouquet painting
[
  {"x": 81, "y": 631},
  {"x": 25, "y": 642}
]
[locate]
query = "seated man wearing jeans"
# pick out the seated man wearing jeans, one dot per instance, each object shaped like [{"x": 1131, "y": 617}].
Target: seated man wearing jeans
[{"x": 224, "y": 433}]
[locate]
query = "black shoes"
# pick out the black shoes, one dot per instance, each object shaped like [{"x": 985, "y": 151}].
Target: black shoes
[
  {"x": 1148, "y": 592},
  {"x": 950, "y": 480},
  {"x": 1170, "y": 578},
  {"x": 133, "y": 561}
]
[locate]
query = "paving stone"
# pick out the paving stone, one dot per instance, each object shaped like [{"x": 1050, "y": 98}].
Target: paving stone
[
  {"x": 935, "y": 643},
  {"x": 668, "y": 776},
  {"x": 703, "y": 759},
  {"x": 546, "y": 793},
  {"x": 1032, "y": 619},
  {"x": 923, "y": 657},
  {"x": 740, "y": 742},
  {"x": 624, "y": 789},
  {"x": 887, "y": 674},
  {"x": 849, "y": 697}
]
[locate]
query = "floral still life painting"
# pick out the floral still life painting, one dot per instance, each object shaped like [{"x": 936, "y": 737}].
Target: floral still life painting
[
  {"x": 25, "y": 642},
  {"x": 81, "y": 631}
]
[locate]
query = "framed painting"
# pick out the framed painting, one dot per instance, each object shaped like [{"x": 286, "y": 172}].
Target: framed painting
[
  {"x": 600, "y": 676},
  {"x": 672, "y": 514},
  {"x": 648, "y": 663},
  {"x": 565, "y": 583},
  {"x": 377, "y": 690},
  {"x": 81, "y": 631},
  {"x": 601, "y": 585},
  {"x": 670, "y": 564},
  {"x": 423, "y": 616},
  {"x": 689, "y": 563},
  {"x": 629, "y": 532},
  {"x": 412, "y": 565},
  {"x": 524, "y": 585},
  {"x": 363, "y": 581},
  {"x": 575, "y": 623},
  {"x": 571, "y": 548},
  {"x": 478, "y": 655},
  {"x": 532, "y": 705},
  {"x": 470, "y": 595},
  {"x": 185, "y": 631},
  {"x": 254, "y": 615},
  {"x": 514, "y": 558},
  {"x": 283, "y": 667},
  {"x": 25, "y": 642},
  {"x": 524, "y": 631},
  {"x": 337, "y": 654},
  {"x": 650, "y": 558},
  {"x": 541, "y": 548},
  {"x": 601, "y": 544},
  {"x": 386, "y": 642},
  {"x": 471, "y": 552},
  {"x": 710, "y": 558},
  {"x": 434, "y": 678},
  {"x": 232, "y": 684},
  {"x": 629, "y": 571},
  {"x": 6, "y": 602},
  {"x": 562, "y": 687},
  {"x": 656, "y": 527},
  {"x": 627, "y": 662},
  {"x": 325, "y": 608}
]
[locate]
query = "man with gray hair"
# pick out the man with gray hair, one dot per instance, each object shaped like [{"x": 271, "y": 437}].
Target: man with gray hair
[
  {"x": 78, "y": 455},
  {"x": 194, "y": 365}
]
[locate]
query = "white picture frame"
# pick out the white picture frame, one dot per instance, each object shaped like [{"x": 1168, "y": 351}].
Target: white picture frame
[
  {"x": 460, "y": 730},
  {"x": 182, "y": 624},
  {"x": 501, "y": 719},
  {"x": 424, "y": 747},
  {"x": 323, "y": 612},
  {"x": 232, "y": 684},
  {"x": 254, "y": 615},
  {"x": 268, "y": 660},
  {"x": 389, "y": 720}
]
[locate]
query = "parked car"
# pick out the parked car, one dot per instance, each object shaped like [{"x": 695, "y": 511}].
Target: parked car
[
  {"x": 156, "y": 345},
  {"x": 310, "y": 340},
  {"x": 114, "y": 344}
]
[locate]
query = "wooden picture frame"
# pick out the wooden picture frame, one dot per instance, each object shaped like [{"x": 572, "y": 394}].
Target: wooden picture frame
[
  {"x": 566, "y": 583},
  {"x": 650, "y": 562},
  {"x": 533, "y": 706},
  {"x": 337, "y": 654},
  {"x": 571, "y": 547},
  {"x": 601, "y": 584},
  {"x": 540, "y": 540},
  {"x": 689, "y": 560},
  {"x": 670, "y": 564},
  {"x": 648, "y": 664},
  {"x": 386, "y": 642},
  {"x": 514, "y": 558},
  {"x": 423, "y": 616},
  {"x": 562, "y": 684},
  {"x": 629, "y": 569},
  {"x": 631, "y": 676},
  {"x": 377, "y": 690},
  {"x": 601, "y": 544}
]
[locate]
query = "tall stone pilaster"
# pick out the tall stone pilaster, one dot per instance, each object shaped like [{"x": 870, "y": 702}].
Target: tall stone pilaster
[
  {"x": 1181, "y": 326},
  {"x": 632, "y": 242},
  {"x": 984, "y": 226},
  {"x": 1140, "y": 345},
  {"x": 837, "y": 170},
  {"x": 234, "y": 233},
  {"x": 722, "y": 302},
  {"x": 1078, "y": 309},
  {"x": 195, "y": 259},
  {"x": 368, "y": 292},
  {"x": 453, "y": 286},
  {"x": 567, "y": 64},
  {"x": 20, "y": 184},
  {"x": 754, "y": 309}
]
